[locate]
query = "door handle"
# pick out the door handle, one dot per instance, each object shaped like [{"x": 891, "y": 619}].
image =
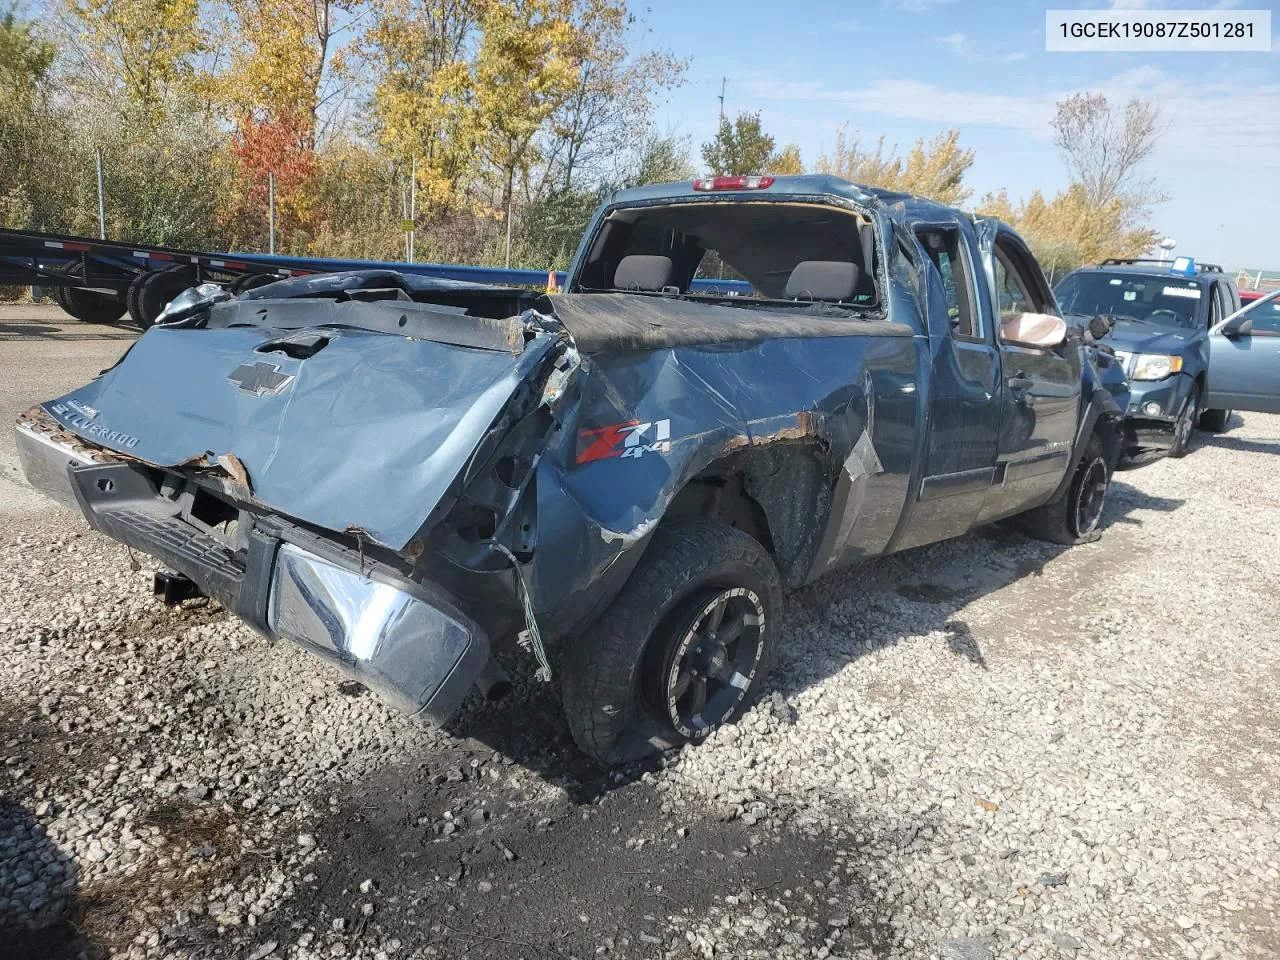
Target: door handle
[{"x": 1019, "y": 383}]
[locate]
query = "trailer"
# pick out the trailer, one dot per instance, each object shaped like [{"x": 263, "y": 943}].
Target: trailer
[{"x": 103, "y": 281}]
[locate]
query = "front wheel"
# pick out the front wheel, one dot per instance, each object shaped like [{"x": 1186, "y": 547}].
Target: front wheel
[
  {"x": 1185, "y": 426},
  {"x": 683, "y": 649},
  {"x": 1074, "y": 517}
]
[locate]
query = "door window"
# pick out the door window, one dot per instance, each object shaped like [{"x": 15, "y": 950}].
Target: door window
[
  {"x": 1016, "y": 290},
  {"x": 1266, "y": 319},
  {"x": 947, "y": 253}
]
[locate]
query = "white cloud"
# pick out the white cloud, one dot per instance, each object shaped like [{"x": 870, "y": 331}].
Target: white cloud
[{"x": 956, "y": 41}]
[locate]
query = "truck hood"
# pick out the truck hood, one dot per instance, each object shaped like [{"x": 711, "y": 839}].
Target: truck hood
[
  {"x": 1148, "y": 338},
  {"x": 366, "y": 431}
]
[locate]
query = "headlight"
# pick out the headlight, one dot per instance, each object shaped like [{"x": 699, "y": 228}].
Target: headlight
[{"x": 1154, "y": 366}]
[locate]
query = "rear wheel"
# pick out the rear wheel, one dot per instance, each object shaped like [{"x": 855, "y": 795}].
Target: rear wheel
[
  {"x": 1185, "y": 426},
  {"x": 251, "y": 281},
  {"x": 1214, "y": 421},
  {"x": 131, "y": 300},
  {"x": 1074, "y": 517},
  {"x": 157, "y": 289},
  {"x": 683, "y": 649},
  {"x": 90, "y": 306}
]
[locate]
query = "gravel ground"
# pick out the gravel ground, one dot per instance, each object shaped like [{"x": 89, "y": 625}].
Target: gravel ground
[{"x": 985, "y": 748}]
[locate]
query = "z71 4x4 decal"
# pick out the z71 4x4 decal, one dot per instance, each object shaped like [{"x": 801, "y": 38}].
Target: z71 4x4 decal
[{"x": 629, "y": 439}]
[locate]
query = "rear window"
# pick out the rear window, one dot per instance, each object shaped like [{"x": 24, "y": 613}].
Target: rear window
[
  {"x": 755, "y": 243},
  {"x": 1168, "y": 301}
]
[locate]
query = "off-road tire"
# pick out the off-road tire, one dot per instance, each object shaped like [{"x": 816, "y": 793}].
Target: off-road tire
[
  {"x": 607, "y": 674},
  {"x": 1060, "y": 520},
  {"x": 90, "y": 306},
  {"x": 1214, "y": 421},
  {"x": 157, "y": 289},
  {"x": 1184, "y": 428}
]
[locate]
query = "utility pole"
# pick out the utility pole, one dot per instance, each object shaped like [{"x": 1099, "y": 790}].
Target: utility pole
[
  {"x": 102, "y": 201},
  {"x": 271, "y": 213},
  {"x": 413, "y": 201},
  {"x": 723, "y": 81}
]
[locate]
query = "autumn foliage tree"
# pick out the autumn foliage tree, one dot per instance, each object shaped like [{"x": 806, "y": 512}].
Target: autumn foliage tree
[
  {"x": 741, "y": 147},
  {"x": 934, "y": 169},
  {"x": 1103, "y": 211}
]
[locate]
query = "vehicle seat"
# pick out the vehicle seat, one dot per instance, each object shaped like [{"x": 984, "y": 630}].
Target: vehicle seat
[
  {"x": 823, "y": 280},
  {"x": 642, "y": 272}
]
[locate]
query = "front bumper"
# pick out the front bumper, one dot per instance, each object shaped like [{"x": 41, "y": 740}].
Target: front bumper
[
  {"x": 1151, "y": 420},
  {"x": 406, "y": 641}
]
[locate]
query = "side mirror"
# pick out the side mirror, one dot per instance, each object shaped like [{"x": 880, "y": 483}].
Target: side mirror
[
  {"x": 1100, "y": 325},
  {"x": 1238, "y": 328},
  {"x": 1039, "y": 331}
]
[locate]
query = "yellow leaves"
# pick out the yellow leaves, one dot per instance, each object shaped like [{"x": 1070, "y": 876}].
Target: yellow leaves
[
  {"x": 144, "y": 48},
  {"x": 1069, "y": 230},
  {"x": 786, "y": 162},
  {"x": 934, "y": 169}
]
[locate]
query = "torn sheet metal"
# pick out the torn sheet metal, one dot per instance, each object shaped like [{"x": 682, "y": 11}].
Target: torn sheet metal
[
  {"x": 858, "y": 468},
  {"x": 369, "y": 431}
]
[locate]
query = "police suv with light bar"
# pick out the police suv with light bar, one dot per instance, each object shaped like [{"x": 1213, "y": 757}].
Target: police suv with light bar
[{"x": 1169, "y": 318}]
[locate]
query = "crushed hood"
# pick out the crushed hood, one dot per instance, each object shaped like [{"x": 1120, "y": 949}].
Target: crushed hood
[
  {"x": 367, "y": 431},
  {"x": 1147, "y": 338}
]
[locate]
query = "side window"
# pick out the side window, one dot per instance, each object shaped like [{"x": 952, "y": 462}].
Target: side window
[
  {"x": 1016, "y": 290},
  {"x": 1218, "y": 309},
  {"x": 1266, "y": 319},
  {"x": 947, "y": 253}
]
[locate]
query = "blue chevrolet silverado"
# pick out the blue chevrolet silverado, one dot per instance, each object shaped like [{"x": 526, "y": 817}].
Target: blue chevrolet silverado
[{"x": 406, "y": 475}]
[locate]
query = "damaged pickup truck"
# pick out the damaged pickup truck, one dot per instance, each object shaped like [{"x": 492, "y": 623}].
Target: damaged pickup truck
[{"x": 748, "y": 383}]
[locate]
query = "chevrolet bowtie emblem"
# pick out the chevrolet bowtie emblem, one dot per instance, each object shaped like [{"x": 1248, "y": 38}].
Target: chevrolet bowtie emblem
[{"x": 260, "y": 379}]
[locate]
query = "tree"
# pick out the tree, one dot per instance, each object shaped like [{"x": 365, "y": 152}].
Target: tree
[
  {"x": 31, "y": 130},
  {"x": 933, "y": 169},
  {"x": 423, "y": 99},
  {"x": 141, "y": 50},
  {"x": 612, "y": 94},
  {"x": 660, "y": 159},
  {"x": 1103, "y": 149},
  {"x": 742, "y": 148},
  {"x": 1069, "y": 230},
  {"x": 552, "y": 225},
  {"x": 526, "y": 67},
  {"x": 277, "y": 77}
]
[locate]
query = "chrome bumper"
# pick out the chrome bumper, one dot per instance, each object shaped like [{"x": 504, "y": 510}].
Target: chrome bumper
[
  {"x": 402, "y": 645},
  {"x": 45, "y": 456}
]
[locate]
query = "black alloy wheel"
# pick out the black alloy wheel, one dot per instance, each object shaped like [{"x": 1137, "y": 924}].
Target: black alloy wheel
[
  {"x": 1092, "y": 494},
  {"x": 708, "y": 669}
]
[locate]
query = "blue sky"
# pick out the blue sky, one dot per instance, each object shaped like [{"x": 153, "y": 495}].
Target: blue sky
[{"x": 910, "y": 68}]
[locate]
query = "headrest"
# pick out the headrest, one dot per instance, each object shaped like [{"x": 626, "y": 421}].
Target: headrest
[
  {"x": 823, "y": 280},
  {"x": 638, "y": 272}
]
